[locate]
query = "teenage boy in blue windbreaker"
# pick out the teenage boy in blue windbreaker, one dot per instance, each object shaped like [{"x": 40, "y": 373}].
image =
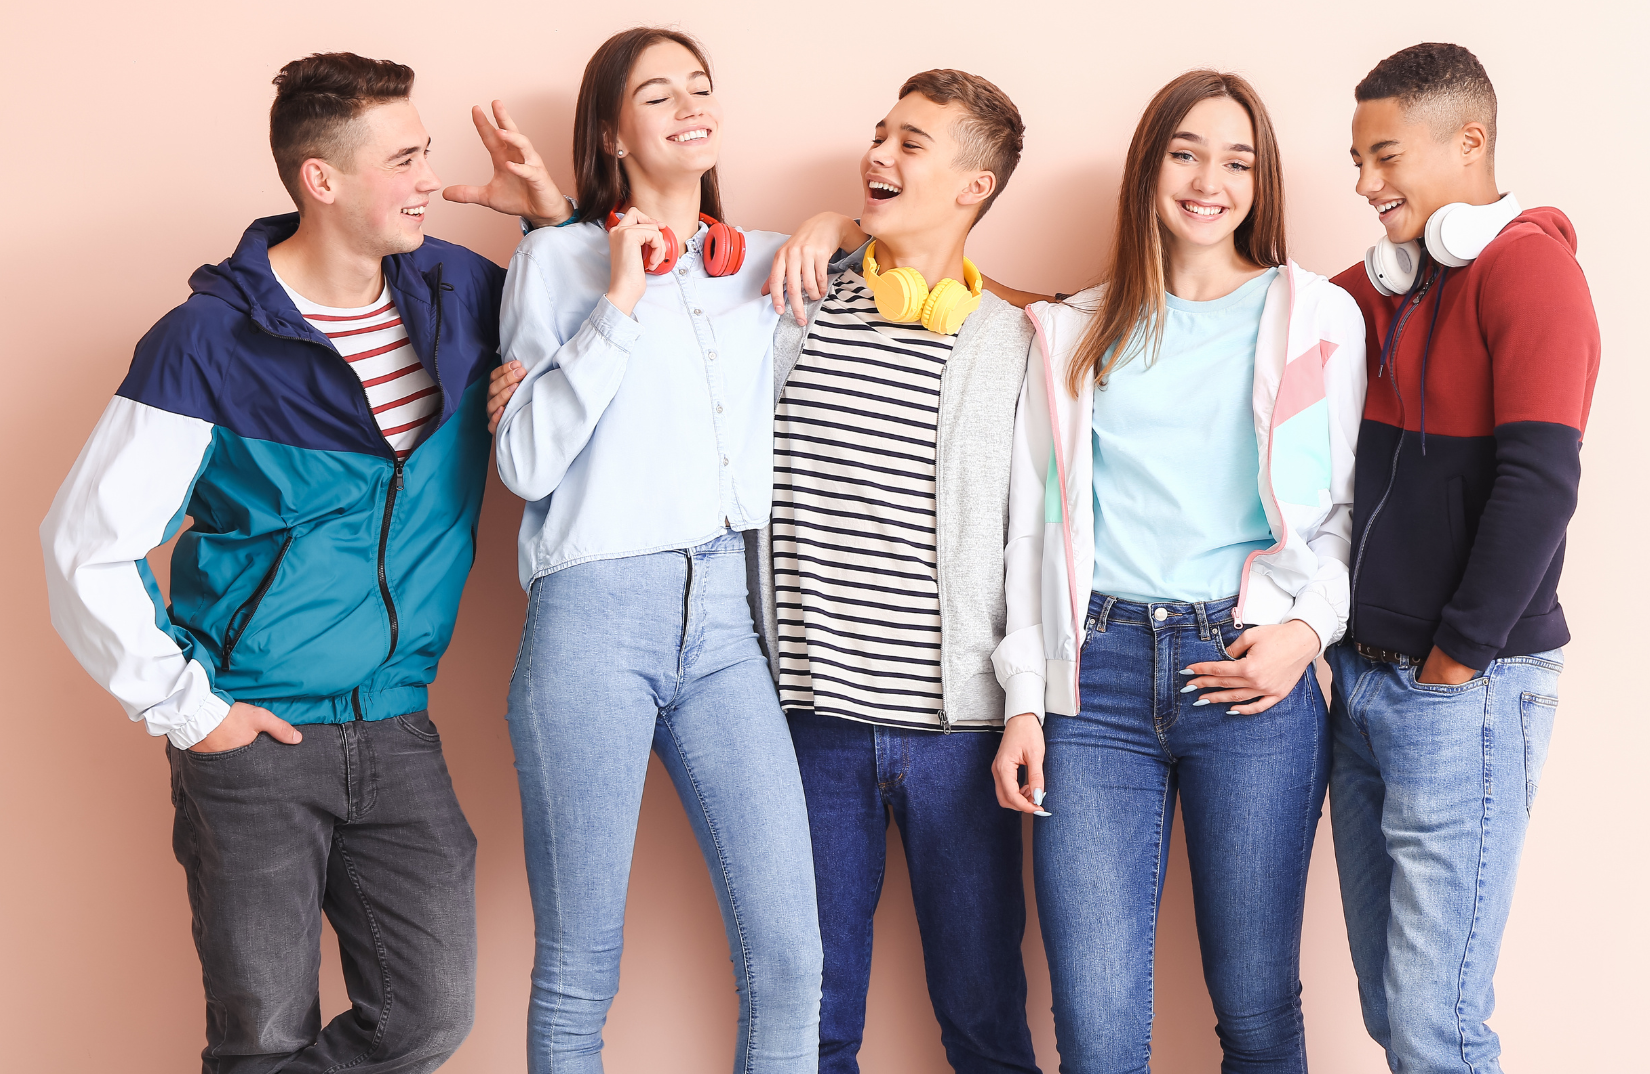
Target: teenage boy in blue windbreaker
[{"x": 316, "y": 407}]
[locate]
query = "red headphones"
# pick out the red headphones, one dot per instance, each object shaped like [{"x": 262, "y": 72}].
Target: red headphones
[{"x": 724, "y": 249}]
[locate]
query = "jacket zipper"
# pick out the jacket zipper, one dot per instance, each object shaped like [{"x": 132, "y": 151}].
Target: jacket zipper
[
  {"x": 1397, "y": 452},
  {"x": 232, "y": 637},
  {"x": 939, "y": 572}
]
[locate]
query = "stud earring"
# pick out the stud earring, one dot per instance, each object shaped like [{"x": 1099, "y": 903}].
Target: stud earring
[{"x": 621, "y": 152}]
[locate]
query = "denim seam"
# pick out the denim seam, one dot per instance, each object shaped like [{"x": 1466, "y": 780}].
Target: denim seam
[
  {"x": 383, "y": 962},
  {"x": 733, "y": 899},
  {"x": 1164, "y": 808},
  {"x": 193, "y": 886},
  {"x": 1487, "y": 740}
]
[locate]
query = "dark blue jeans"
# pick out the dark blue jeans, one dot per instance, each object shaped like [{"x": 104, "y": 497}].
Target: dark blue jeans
[
  {"x": 1251, "y": 790},
  {"x": 963, "y": 851}
]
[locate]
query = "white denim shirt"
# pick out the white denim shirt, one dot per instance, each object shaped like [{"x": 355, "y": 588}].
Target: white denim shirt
[{"x": 636, "y": 434}]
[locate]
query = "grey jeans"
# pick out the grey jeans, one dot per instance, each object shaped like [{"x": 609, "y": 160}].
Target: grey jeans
[{"x": 358, "y": 822}]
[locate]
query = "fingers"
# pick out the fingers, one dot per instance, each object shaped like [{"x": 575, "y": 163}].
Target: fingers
[
  {"x": 793, "y": 284},
  {"x": 275, "y": 727},
  {"x": 1005, "y": 772},
  {"x": 1244, "y": 641},
  {"x": 775, "y": 287},
  {"x": 464, "y": 195},
  {"x": 1251, "y": 706},
  {"x": 1034, "y": 782},
  {"x": 488, "y": 132},
  {"x": 502, "y": 115}
]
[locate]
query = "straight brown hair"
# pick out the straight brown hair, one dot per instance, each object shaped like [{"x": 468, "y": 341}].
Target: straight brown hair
[
  {"x": 598, "y": 174},
  {"x": 1131, "y": 314},
  {"x": 318, "y": 99}
]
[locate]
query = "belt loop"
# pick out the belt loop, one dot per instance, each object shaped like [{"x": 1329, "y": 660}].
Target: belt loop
[
  {"x": 1105, "y": 613},
  {"x": 1202, "y": 620}
]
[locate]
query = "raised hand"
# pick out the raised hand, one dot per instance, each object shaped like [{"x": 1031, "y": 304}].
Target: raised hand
[
  {"x": 636, "y": 244},
  {"x": 521, "y": 185},
  {"x": 801, "y": 265}
]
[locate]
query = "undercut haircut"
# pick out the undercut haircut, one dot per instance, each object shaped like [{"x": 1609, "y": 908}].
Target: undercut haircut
[
  {"x": 990, "y": 136},
  {"x": 318, "y": 99},
  {"x": 1443, "y": 86}
]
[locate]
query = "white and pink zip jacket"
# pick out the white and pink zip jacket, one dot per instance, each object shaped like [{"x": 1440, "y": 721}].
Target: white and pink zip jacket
[{"x": 1308, "y": 402}]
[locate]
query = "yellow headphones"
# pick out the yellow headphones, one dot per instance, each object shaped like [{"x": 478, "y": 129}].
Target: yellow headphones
[{"x": 903, "y": 295}]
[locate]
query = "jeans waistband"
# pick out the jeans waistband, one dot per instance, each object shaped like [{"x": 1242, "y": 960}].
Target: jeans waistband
[
  {"x": 726, "y": 541},
  {"x": 1199, "y": 615}
]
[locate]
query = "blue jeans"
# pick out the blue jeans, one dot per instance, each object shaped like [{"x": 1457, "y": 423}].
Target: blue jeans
[
  {"x": 963, "y": 851},
  {"x": 657, "y": 652},
  {"x": 1251, "y": 790},
  {"x": 1431, "y": 792}
]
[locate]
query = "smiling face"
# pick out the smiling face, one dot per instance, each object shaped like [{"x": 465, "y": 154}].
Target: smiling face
[
  {"x": 670, "y": 122},
  {"x": 909, "y": 175},
  {"x": 1205, "y": 184},
  {"x": 381, "y": 198},
  {"x": 1406, "y": 172}
]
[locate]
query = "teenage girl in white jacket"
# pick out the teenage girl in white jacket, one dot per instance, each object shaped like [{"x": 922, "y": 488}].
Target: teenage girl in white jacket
[{"x": 1177, "y": 557}]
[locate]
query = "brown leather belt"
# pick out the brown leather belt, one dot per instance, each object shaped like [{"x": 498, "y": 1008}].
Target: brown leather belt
[{"x": 1370, "y": 652}]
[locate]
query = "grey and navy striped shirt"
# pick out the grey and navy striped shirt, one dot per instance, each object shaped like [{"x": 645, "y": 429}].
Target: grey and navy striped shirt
[{"x": 855, "y": 574}]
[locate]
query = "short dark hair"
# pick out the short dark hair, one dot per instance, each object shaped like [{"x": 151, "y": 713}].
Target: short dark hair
[
  {"x": 598, "y": 176},
  {"x": 1442, "y": 84},
  {"x": 991, "y": 136},
  {"x": 315, "y": 100}
]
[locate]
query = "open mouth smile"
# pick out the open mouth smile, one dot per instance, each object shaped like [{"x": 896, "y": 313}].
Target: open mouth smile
[
  {"x": 693, "y": 135},
  {"x": 881, "y": 190},
  {"x": 416, "y": 211},
  {"x": 1208, "y": 212},
  {"x": 1384, "y": 207}
]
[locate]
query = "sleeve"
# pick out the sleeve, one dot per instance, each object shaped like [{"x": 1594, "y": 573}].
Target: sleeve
[
  {"x": 1537, "y": 317},
  {"x": 1326, "y": 601},
  {"x": 124, "y": 497},
  {"x": 1020, "y": 659},
  {"x": 567, "y": 385}
]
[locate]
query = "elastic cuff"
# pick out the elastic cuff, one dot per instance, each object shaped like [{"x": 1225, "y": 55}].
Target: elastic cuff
[
  {"x": 1316, "y": 612},
  {"x": 205, "y": 720},
  {"x": 1462, "y": 649},
  {"x": 1024, "y": 694}
]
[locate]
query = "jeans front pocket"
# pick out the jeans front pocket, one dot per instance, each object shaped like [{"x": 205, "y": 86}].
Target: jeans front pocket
[
  {"x": 1536, "y": 713},
  {"x": 419, "y": 725},
  {"x": 1412, "y": 678}
]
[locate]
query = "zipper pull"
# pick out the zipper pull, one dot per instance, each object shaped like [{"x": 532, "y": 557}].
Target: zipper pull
[
  {"x": 945, "y": 723},
  {"x": 399, "y": 483}
]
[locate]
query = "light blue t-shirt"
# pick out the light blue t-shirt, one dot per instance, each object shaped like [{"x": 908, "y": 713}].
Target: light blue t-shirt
[{"x": 1176, "y": 471}]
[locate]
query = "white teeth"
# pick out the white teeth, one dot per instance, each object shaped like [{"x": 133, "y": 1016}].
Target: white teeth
[
  {"x": 1386, "y": 205},
  {"x": 1204, "y": 210},
  {"x": 877, "y": 184},
  {"x": 414, "y": 212},
  {"x": 690, "y": 136}
]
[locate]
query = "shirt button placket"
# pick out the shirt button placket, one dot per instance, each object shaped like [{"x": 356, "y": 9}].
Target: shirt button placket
[{"x": 706, "y": 336}]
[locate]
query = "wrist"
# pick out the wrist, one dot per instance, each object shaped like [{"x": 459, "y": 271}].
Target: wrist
[{"x": 562, "y": 212}]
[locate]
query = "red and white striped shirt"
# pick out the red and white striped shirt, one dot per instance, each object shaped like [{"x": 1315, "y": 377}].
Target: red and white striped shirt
[{"x": 404, "y": 398}]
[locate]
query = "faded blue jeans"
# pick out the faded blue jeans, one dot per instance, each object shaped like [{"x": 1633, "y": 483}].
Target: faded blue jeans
[
  {"x": 1430, "y": 798},
  {"x": 656, "y": 653},
  {"x": 1251, "y": 791}
]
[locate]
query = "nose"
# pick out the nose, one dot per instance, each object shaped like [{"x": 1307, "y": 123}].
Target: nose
[
  {"x": 1369, "y": 184},
  {"x": 427, "y": 180},
  {"x": 1206, "y": 180}
]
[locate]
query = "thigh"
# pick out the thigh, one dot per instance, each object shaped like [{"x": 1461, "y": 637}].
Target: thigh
[
  {"x": 1251, "y": 794},
  {"x": 401, "y": 894},
  {"x": 253, "y": 830},
  {"x": 847, "y": 825},
  {"x": 1098, "y": 860}
]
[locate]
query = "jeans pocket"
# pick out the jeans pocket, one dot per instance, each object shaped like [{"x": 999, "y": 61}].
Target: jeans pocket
[
  {"x": 419, "y": 725},
  {"x": 1536, "y": 713},
  {"x": 1412, "y": 678},
  {"x": 224, "y": 755}
]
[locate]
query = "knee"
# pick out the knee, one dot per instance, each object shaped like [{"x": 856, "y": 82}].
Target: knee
[
  {"x": 1275, "y": 1032},
  {"x": 430, "y": 1032}
]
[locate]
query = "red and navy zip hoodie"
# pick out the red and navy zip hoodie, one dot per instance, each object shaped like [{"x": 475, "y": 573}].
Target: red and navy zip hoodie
[{"x": 1469, "y": 454}]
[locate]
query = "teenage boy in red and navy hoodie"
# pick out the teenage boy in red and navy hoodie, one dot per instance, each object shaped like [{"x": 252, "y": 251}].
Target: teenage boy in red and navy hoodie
[{"x": 1480, "y": 378}]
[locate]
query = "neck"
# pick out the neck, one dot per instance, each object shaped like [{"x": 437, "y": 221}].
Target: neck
[
  {"x": 1478, "y": 188},
  {"x": 934, "y": 254},
  {"x": 319, "y": 265},
  {"x": 675, "y": 204},
  {"x": 1205, "y": 273}
]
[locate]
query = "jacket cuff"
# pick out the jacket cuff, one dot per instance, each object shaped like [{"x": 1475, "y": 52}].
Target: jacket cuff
[
  {"x": 1315, "y": 611},
  {"x": 1024, "y": 694},
  {"x": 1459, "y": 647},
  {"x": 205, "y": 720}
]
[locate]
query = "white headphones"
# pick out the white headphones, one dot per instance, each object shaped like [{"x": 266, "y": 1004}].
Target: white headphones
[{"x": 1455, "y": 235}]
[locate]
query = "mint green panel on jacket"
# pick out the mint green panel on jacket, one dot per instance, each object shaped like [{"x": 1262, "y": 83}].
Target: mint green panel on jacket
[{"x": 1300, "y": 456}]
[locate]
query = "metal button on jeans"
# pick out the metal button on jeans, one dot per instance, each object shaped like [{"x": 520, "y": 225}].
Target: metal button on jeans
[{"x": 1161, "y": 614}]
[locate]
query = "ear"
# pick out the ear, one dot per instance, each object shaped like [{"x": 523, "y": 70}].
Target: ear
[
  {"x": 318, "y": 180},
  {"x": 1474, "y": 143},
  {"x": 979, "y": 187}
]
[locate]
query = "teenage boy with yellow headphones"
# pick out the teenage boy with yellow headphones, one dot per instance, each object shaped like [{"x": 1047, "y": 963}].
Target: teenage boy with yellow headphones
[
  {"x": 1482, "y": 350},
  {"x": 879, "y": 587}
]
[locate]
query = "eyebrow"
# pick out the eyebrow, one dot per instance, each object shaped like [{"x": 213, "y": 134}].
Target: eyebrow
[
  {"x": 411, "y": 149},
  {"x": 661, "y": 81},
  {"x": 1236, "y": 147}
]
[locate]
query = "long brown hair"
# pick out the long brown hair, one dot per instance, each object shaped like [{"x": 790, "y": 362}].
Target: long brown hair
[
  {"x": 600, "y": 178},
  {"x": 1130, "y": 318}
]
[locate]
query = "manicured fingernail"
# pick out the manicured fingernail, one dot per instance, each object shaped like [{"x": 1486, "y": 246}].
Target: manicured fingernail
[
  {"x": 1233, "y": 712},
  {"x": 1037, "y": 795},
  {"x": 1188, "y": 688},
  {"x": 1200, "y": 702},
  {"x": 1042, "y": 813},
  {"x": 1187, "y": 671}
]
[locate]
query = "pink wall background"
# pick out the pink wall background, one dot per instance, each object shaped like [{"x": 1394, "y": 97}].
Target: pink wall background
[{"x": 135, "y": 149}]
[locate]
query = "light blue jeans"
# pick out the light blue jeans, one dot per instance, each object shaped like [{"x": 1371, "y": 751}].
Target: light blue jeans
[
  {"x": 656, "y": 653},
  {"x": 1430, "y": 797}
]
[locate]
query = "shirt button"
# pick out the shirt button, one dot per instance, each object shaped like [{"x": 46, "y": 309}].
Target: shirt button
[
  {"x": 719, "y": 408},
  {"x": 713, "y": 355},
  {"x": 682, "y": 271},
  {"x": 696, "y": 313},
  {"x": 724, "y": 460},
  {"x": 1161, "y": 614}
]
